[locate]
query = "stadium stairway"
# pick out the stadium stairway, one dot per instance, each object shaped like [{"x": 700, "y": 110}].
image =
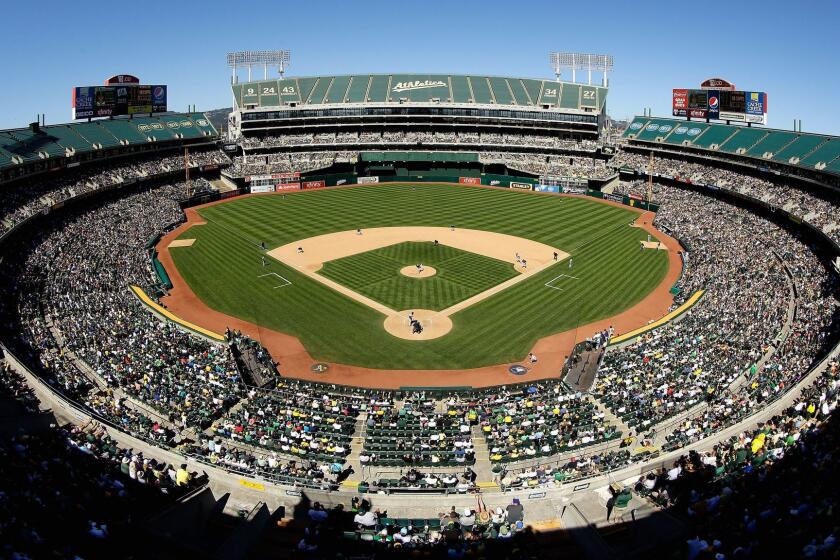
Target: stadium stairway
[
  {"x": 483, "y": 467},
  {"x": 356, "y": 445},
  {"x": 610, "y": 417}
]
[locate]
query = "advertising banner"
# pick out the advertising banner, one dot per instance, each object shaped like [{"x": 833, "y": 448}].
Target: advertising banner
[
  {"x": 287, "y": 187},
  {"x": 115, "y": 100},
  {"x": 367, "y": 180},
  {"x": 547, "y": 188},
  {"x": 520, "y": 186},
  {"x": 574, "y": 190},
  {"x": 262, "y": 188},
  {"x": 313, "y": 184},
  {"x": 714, "y": 104},
  {"x": 679, "y": 105},
  {"x": 469, "y": 180}
]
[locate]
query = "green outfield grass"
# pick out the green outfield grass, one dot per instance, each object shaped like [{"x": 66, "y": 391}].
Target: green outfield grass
[
  {"x": 376, "y": 274},
  {"x": 611, "y": 273}
]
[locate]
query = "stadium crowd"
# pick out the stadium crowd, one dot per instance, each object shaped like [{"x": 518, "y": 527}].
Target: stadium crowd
[
  {"x": 416, "y": 138},
  {"x": 737, "y": 348},
  {"x": 36, "y": 194},
  {"x": 818, "y": 210}
]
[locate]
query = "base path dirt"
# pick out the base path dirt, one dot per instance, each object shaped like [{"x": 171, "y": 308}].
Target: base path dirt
[
  {"x": 296, "y": 362},
  {"x": 182, "y": 243}
]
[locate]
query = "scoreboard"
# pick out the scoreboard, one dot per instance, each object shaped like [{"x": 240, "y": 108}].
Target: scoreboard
[
  {"x": 115, "y": 100},
  {"x": 740, "y": 106}
]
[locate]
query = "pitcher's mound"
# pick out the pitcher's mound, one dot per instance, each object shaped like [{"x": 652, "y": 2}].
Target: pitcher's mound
[
  {"x": 411, "y": 271},
  {"x": 434, "y": 324}
]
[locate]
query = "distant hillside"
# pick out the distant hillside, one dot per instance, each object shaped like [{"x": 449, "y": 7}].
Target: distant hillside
[{"x": 219, "y": 118}]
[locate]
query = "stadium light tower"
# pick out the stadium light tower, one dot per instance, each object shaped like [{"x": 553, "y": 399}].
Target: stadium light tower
[
  {"x": 250, "y": 58},
  {"x": 581, "y": 61}
]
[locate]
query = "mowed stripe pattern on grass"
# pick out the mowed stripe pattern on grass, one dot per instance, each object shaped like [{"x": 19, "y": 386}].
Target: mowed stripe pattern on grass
[
  {"x": 460, "y": 275},
  {"x": 223, "y": 265}
]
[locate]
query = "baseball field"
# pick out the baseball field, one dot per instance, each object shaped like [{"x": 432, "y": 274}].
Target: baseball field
[{"x": 333, "y": 287}]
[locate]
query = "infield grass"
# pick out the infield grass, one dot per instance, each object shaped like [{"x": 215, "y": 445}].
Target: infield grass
[
  {"x": 376, "y": 274},
  {"x": 612, "y": 274}
]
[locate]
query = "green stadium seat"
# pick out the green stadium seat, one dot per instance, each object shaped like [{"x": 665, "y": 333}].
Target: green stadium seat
[
  {"x": 570, "y": 96},
  {"x": 289, "y": 91},
  {"x": 67, "y": 136},
  {"x": 823, "y": 155},
  {"x": 744, "y": 139},
  {"x": 16, "y": 147},
  {"x": 181, "y": 125},
  {"x": 685, "y": 131},
  {"x": 520, "y": 96},
  {"x": 804, "y": 145},
  {"x": 771, "y": 144},
  {"x": 533, "y": 88},
  {"x": 204, "y": 125},
  {"x": 501, "y": 91},
  {"x": 656, "y": 128},
  {"x": 305, "y": 86},
  {"x": 95, "y": 133},
  {"x": 338, "y": 89},
  {"x": 481, "y": 90},
  {"x": 636, "y": 126},
  {"x": 378, "y": 91},
  {"x": 714, "y": 135},
  {"x": 461, "y": 92},
  {"x": 319, "y": 90},
  {"x": 122, "y": 130},
  {"x": 358, "y": 89}
]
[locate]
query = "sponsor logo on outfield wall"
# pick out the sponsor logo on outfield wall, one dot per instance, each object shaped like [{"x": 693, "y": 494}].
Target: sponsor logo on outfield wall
[
  {"x": 368, "y": 180},
  {"x": 313, "y": 184},
  {"x": 408, "y": 86},
  {"x": 287, "y": 187},
  {"x": 520, "y": 186},
  {"x": 469, "y": 180}
]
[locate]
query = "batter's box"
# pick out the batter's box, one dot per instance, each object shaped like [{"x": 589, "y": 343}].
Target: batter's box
[
  {"x": 285, "y": 281},
  {"x": 562, "y": 278}
]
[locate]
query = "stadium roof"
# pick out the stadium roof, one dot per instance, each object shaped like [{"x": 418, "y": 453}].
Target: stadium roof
[{"x": 421, "y": 88}]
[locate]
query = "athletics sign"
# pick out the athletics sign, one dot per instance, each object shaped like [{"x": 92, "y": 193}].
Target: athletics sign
[{"x": 426, "y": 84}]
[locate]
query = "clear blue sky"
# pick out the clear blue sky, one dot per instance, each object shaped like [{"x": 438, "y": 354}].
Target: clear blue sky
[{"x": 788, "y": 49}]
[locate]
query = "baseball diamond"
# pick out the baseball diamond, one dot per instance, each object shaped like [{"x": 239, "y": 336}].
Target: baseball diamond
[{"x": 221, "y": 267}]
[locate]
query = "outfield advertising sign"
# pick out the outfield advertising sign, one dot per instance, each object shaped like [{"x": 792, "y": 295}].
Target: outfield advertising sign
[
  {"x": 469, "y": 180},
  {"x": 679, "y": 105},
  {"x": 286, "y": 187},
  {"x": 313, "y": 184},
  {"x": 367, "y": 180},
  {"x": 520, "y": 186},
  {"x": 262, "y": 188},
  {"x": 574, "y": 190},
  {"x": 547, "y": 188}
]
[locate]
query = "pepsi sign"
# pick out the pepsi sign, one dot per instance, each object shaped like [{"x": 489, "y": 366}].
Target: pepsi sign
[{"x": 714, "y": 105}]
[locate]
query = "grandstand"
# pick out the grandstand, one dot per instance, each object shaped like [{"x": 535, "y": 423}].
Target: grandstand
[
  {"x": 812, "y": 156},
  {"x": 37, "y": 149},
  {"x": 146, "y": 423}
]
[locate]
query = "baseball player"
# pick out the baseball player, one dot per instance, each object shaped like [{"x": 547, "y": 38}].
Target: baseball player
[{"x": 263, "y": 262}]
